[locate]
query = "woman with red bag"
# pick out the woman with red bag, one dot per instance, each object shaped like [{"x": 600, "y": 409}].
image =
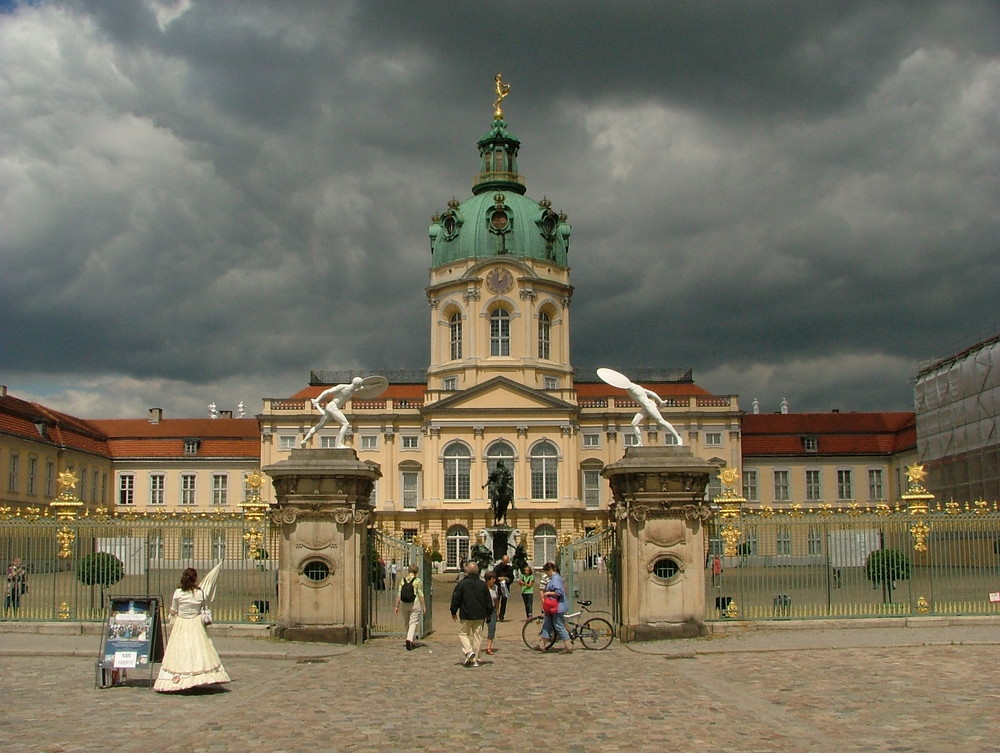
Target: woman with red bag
[{"x": 554, "y": 621}]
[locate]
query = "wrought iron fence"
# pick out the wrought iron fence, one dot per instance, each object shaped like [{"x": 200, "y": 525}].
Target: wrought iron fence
[
  {"x": 589, "y": 567},
  {"x": 73, "y": 565},
  {"x": 854, "y": 561}
]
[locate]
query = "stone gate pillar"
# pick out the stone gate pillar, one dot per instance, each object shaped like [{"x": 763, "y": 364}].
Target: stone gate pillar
[
  {"x": 323, "y": 510},
  {"x": 659, "y": 508}
]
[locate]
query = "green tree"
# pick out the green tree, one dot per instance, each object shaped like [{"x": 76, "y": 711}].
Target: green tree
[
  {"x": 99, "y": 569},
  {"x": 885, "y": 566}
]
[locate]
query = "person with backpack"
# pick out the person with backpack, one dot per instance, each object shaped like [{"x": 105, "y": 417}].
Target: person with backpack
[{"x": 410, "y": 600}]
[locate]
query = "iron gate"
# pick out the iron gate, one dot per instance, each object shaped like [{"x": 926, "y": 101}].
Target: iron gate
[
  {"x": 590, "y": 571},
  {"x": 388, "y": 562}
]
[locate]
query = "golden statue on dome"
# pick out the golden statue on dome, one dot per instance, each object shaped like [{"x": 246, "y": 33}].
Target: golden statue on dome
[{"x": 502, "y": 91}]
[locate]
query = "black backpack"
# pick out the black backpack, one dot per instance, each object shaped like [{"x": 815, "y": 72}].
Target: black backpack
[{"x": 406, "y": 592}]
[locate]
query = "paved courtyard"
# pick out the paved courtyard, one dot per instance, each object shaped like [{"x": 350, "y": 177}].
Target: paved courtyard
[{"x": 897, "y": 689}]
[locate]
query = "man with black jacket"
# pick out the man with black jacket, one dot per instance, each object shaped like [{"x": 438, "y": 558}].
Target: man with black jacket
[{"x": 472, "y": 602}]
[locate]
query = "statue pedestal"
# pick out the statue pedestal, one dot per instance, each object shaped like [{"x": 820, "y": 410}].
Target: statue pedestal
[
  {"x": 324, "y": 510},
  {"x": 659, "y": 508},
  {"x": 498, "y": 541}
]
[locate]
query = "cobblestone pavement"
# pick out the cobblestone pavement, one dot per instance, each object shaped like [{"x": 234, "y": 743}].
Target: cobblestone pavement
[{"x": 807, "y": 691}]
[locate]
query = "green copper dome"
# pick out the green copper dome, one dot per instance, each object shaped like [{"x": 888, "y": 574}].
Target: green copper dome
[{"x": 499, "y": 219}]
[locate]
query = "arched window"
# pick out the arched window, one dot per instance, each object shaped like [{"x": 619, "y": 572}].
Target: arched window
[
  {"x": 500, "y": 333},
  {"x": 500, "y": 451},
  {"x": 544, "y": 545},
  {"x": 544, "y": 471},
  {"x": 544, "y": 336},
  {"x": 456, "y": 547},
  {"x": 455, "y": 328},
  {"x": 456, "y": 471}
]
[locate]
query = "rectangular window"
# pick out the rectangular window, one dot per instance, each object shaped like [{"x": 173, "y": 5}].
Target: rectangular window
[
  {"x": 411, "y": 489},
  {"x": 187, "y": 545},
  {"x": 126, "y": 489},
  {"x": 220, "y": 489},
  {"x": 154, "y": 546},
  {"x": 411, "y": 442},
  {"x": 12, "y": 472},
  {"x": 713, "y": 439},
  {"x": 815, "y": 541},
  {"x": 449, "y": 384},
  {"x": 591, "y": 489},
  {"x": 550, "y": 383},
  {"x": 750, "y": 486},
  {"x": 876, "y": 490},
  {"x": 50, "y": 480},
  {"x": 191, "y": 446},
  {"x": 218, "y": 546},
  {"x": 82, "y": 486},
  {"x": 455, "y": 328},
  {"x": 781, "y": 486},
  {"x": 32, "y": 474},
  {"x": 409, "y": 534},
  {"x": 157, "y": 488},
  {"x": 845, "y": 487},
  {"x": 591, "y": 440},
  {"x": 327, "y": 443},
  {"x": 810, "y": 444},
  {"x": 187, "y": 489},
  {"x": 631, "y": 440},
  {"x": 369, "y": 441},
  {"x": 814, "y": 491},
  {"x": 286, "y": 443},
  {"x": 783, "y": 541},
  {"x": 95, "y": 476}
]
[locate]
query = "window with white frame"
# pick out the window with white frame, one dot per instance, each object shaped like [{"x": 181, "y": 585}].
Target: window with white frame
[
  {"x": 126, "y": 489},
  {"x": 592, "y": 440},
  {"x": 631, "y": 440},
  {"x": 369, "y": 441},
  {"x": 876, "y": 489},
  {"x": 455, "y": 332},
  {"x": 191, "y": 446},
  {"x": 550, "y": 383},
  {"x": 13, "y": 472},
  {"x": 810, "y": 444},
  {"x": 50, "y": 480},
  {"x": 220, "y": 489},
  {"x": 95, "y": 476},
  {"x": 187, "y": 545},
  {"x": 713, "y": 439},
  {"x": 750, "y": 485},
  {"x": 544, "y": 544},
  {"x": 815, "y": 541},
  {"x": 286, "y": 442},
  {"x": 32, "y": 475},
  {"x": 328, "y": 442},
  {"x": 154, "y": 545},
  {"x": 814, "y": 489},
  {"x": 500, "y": 333},
  {"x": 411, "y": 442},
  {"x": 456, "y": 547},
  {"x": 669, "y": 438},
  {"x": 544, "y": 336},
  {"x": 449, "y": 384},
  {"x": 410, "y": 482},
  {"x": 457, "y": 469},
  {"x": 187, "y": 489},
  {"x": 845, "y": 485},
  {"x": 783, "y": 541},
  {"x": 781, "y": 486},
  {"x": 218, "y": 545},
  {"x": 591, "y": 489},
  {"x": 157, "y": 488},
  {"x": 544, "y": 471},
  {"x": 82, "y": 485}
]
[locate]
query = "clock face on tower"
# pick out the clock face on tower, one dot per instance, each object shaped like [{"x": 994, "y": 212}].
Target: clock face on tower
[{"x": 499, "y": 280}]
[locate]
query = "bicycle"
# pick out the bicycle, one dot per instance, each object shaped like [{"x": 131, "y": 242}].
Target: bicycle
[{"x": 595, "y": 633}]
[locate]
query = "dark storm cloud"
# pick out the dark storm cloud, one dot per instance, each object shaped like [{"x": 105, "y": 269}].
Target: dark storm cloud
[{"x": 203, "y": 199}]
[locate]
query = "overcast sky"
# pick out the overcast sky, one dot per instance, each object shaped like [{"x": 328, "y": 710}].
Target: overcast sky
[{"x": 204, "y": 200}]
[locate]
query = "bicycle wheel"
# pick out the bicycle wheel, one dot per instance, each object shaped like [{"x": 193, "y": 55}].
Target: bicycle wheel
[
  {"x": 531, "y": 633},
  {"x": 596, "y": 633}
]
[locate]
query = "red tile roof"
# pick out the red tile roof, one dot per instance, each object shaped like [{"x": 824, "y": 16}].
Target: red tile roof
[
  {"x": 219, "y": 438},
  {"x": 37, "y": 423},
  {"x": 836, "y": 433}
]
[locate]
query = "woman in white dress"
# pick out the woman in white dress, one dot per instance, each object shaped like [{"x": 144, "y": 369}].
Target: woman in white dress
[{"x": 190, "y": 659}]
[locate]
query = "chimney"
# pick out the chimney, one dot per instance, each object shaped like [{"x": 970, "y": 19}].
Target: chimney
[
  {"x": 225, "y": 414},
  {"x": 155, "y": 415},
  {"x": 3, "y": 390}
]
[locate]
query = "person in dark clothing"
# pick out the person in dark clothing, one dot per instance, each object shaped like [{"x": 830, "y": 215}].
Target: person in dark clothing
[
  {"x": 471, "y": 601},
  {"x": 505, "y": 578}
]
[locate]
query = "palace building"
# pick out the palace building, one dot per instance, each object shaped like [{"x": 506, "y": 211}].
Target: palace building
[{"x": 500, "y": 386}]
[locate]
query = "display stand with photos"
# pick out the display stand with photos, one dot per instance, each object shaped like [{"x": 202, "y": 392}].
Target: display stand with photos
[{"x": 132, "y": 640}]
